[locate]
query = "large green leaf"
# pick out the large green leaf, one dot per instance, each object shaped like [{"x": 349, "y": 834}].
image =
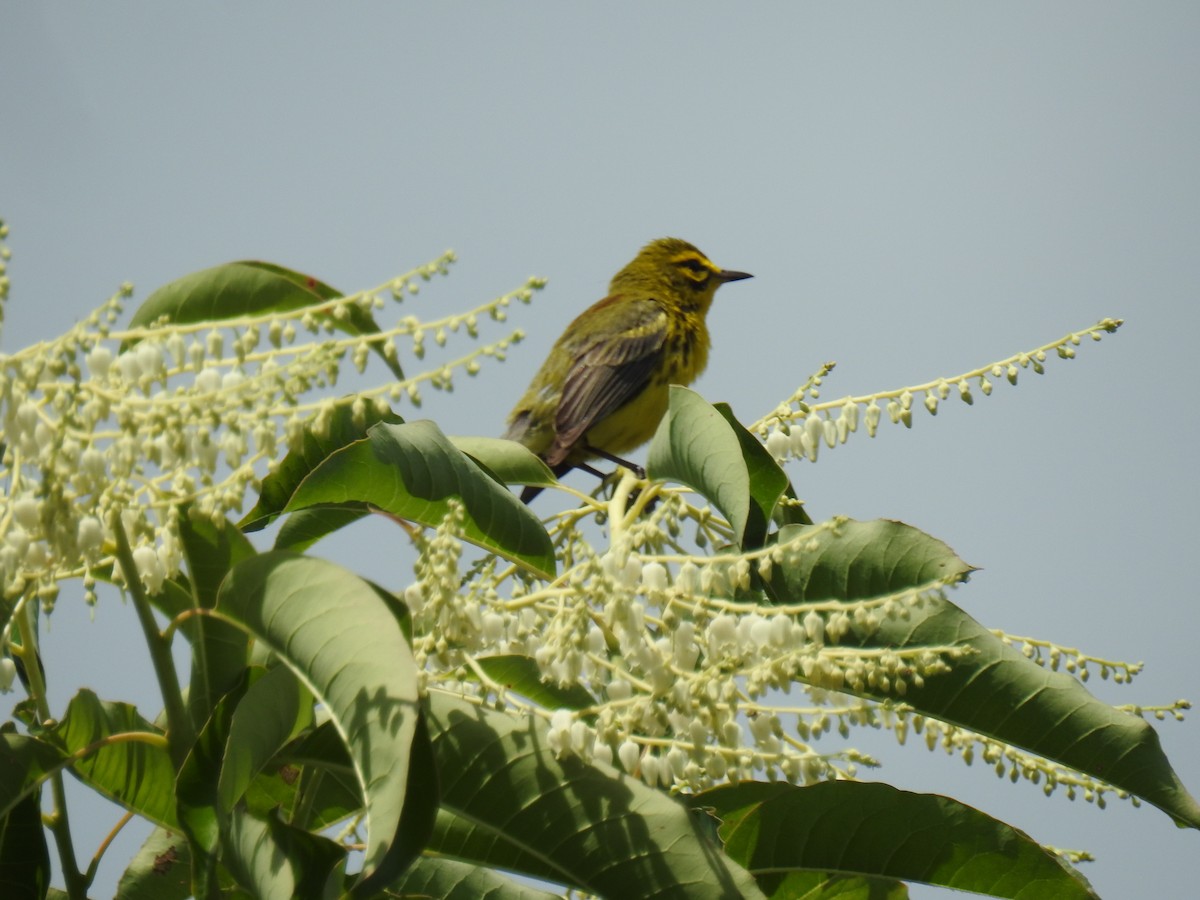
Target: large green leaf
[
  {"x": 463, "y": 837},
  {"x": 581, "y": 825},
  {"x": 805, "y": 885},
  {"x": 25, "y": 762},
  {"x": 706, "y": 448},
  {"x": 218, "y": 649},
  {"x": 274, "y": 710},
  {"x": 874, "y": 830},
  {"x": 449, "y": 879},
  {"x": 275, "y": 861},
  {"x": 305, "y": 527},
  {"x": 412, "y": 471},
  {"x": 196, "y": 790},
  {"x": 135, "y": 774},
  {"x": 249, "y": 288},
  {"x": 343, "y": 642},
  {"x": 850, "y": 560},
  {"x": 508, "y": 461},
  {"x": 340, "y": 427},
  {"x": 24, "y": 858},
  {"x": 768, "y": 483},
  {"x": 522, "y": 675},
  {"x": 160, "y": 870},
  {"x": 994, "y": 690},
  {"x": 247, "y": 727},
  {"x": 330, "y": 789}
]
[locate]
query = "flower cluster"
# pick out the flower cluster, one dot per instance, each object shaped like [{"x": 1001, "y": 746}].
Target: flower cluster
[
  {"x": 1073, "y": 661},
  {"x": 798, "y": 426},
  {"x": 687, "y": 669},
  {"x": 148, "y": 422}
]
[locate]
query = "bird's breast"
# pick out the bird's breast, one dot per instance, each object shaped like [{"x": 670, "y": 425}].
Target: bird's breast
[{"x": 685, "y": 353}]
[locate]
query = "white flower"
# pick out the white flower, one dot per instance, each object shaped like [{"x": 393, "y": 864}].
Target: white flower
[
  {"x": 650, "y": 767},
  {"x": 149, "y": 568},
  {"x": 26, "y": 511},
  {"x": 602, "y": 753},
  {"x": 99, "y": 361},
  {"x": 716, "y": 766},
  {"x": 89, "y": 534},
  {"x": 721, "y": 631},
  {"x": 619, "y": 689},
  {"x": 685, "y": 650},
  {"x": 8, "y": 671},
  {"x": 654, "y": 576},
  {"x": 688, "y": 579},
  {"x": 629, "y": 754},
  {"x": 150, "y": 360},
  {"x": 208, "y": 381},
  {"x": 777, "y": 445}
]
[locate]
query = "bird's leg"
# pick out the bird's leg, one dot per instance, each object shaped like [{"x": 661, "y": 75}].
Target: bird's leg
[
  {"x": 613, "y": 458},
  {"x": 591, "y": 470}
]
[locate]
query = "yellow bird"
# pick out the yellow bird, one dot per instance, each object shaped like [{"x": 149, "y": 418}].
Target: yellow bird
[{"x": 603, "y": 389}]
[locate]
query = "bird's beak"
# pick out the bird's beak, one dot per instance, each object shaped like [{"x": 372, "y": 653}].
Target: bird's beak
[{"x": 725, "y": 275}]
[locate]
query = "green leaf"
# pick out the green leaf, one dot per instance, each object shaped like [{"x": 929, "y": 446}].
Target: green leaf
[
  {"x": 340, "y": 638},
  {"x": 768, "y": 483},
  {"x": 803, "y": 885},
  {"x": 219, "y": 650},
  {"x": 522, "y": 675},
  {"x": 508, "y": 461},
  {"x": 329, "y": 789},
  {"x": 339, "y": 426},
  {"x": 137, "y": 775},
  {"x": 585, "y": 826},
  {"x": 25, "y": 762},
  {"x": 412, "y": 471},
  {"x": 273, "y": 711},
  {"x": 275, "y": 788},
  {"x": 849, "y": 560},
  {"x": 875, "y": 830},
  {"x": 249, "y": 288},
  {"x": 160, "y": 870},
  {"x": 305, "y": 527},
  {"x": 449, "y": 879},
  {"x": 462, "y": 837},
  {"x": 275, "y": 861},
  {"x": 24, "y": 858},
  {"x": 994, "y": 690},
  {"x": 196, "y": 788},
  {"x": 707, "y": 449}
]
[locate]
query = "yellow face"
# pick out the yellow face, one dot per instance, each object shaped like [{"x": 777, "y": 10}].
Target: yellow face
[
  {"x": 677, "y": 268},
  {"x": 692, "y": 270}
]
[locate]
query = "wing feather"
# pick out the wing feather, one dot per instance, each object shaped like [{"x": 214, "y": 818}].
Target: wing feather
[{"x": 609, "y": 370}]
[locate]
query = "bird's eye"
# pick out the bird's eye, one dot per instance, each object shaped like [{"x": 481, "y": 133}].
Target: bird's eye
[{"x": 696, "y": 268}]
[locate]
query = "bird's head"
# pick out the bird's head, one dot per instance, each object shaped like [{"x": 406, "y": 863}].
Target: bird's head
[{"x": 676, "y": 270}]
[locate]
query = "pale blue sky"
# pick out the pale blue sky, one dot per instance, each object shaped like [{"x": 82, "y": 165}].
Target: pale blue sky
[{"x": 919, "y": 189}]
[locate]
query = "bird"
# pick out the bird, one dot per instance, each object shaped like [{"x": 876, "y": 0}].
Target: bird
[{"x": 604, "y": 385}]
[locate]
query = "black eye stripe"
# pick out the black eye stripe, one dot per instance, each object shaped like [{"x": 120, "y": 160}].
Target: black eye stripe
[{"x": 695, "y": 265}]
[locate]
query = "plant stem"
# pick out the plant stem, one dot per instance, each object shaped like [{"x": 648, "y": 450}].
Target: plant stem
[
  {"x": 180, "y": 735},
  {"x": 58, "y": 822},
  {"x": 124, "y": 820}
]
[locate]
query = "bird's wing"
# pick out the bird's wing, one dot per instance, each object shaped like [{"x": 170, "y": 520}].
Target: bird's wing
[{"x": 608, "y": 372}]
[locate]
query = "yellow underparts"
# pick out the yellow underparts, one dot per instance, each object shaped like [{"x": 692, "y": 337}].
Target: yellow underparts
[{"x": 685, "y": 355}]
